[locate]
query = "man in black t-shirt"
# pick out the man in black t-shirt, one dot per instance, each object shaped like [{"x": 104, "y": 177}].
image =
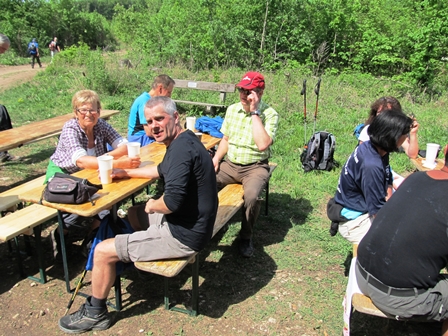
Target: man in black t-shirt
[
  {"x": 178, "y": 224},
  {"x": 401, "y": 256}
]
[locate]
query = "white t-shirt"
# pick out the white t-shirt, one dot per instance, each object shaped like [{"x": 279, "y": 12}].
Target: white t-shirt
[{"x": 364, "y": 136}]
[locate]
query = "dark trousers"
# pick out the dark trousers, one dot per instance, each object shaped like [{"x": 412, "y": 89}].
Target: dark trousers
[
  {"x": 253, "y": 177},
  {"x": 35, "y": 58}
]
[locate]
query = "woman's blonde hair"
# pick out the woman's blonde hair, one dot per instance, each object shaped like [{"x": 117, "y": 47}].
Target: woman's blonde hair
[{"x": 86, "y": 96}]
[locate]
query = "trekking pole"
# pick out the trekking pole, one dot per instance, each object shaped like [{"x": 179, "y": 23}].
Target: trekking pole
[
  {"x": 303, "y": 93},
  {"x": 316, "y": 91},
  {"x": 78, "y": 287}
]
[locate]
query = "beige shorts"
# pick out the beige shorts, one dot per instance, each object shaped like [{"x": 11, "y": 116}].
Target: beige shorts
[
  {"x": 356, "y": 229},
  {"x": 154, "y": 243}
]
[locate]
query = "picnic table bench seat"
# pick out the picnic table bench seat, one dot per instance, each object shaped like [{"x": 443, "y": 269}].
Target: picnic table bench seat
[
  {"x": 10, "y": 198},
  {"x": 26, "y": 221}
]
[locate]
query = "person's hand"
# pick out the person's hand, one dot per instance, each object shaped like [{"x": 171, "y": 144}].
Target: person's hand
[
  {"x": 414, "y": 126},
  {"x": 215, "y": 164},
  {"x": 119, "y": 173},
  {"x": 148, "y": 207},
  {"x": 127, "y": 162},
  {"x": 254, "y": 100}
]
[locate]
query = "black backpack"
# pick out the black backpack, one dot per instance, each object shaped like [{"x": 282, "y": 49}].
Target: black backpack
[
  {"x": 5, "y": 120},
  {"x": 318, "y": 153}
]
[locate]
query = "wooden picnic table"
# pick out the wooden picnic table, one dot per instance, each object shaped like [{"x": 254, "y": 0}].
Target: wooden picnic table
[
  {"x": 39, "y": 130},
  {"x": 111, "y": 194},
  {"x": 418, "y": 163}
]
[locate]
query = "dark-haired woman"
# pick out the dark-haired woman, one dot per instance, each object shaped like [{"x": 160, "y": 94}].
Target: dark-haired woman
[{"x": 365, "y": 177}]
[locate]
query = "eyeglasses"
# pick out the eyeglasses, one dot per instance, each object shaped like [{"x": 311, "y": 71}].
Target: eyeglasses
[
  {"x": 85, "y": 111},
  {"x": 244, "y": 91}
]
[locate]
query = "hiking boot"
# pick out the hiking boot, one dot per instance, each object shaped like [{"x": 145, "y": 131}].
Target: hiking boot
[
  {"x": 85, "y": 319},
  {"x": 246, "y": 248}
]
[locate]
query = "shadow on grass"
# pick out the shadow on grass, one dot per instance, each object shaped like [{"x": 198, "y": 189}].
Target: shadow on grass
[{"x": 366, "y": 325}]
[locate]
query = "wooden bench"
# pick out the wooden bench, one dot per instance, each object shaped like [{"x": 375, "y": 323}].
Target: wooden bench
[
  {"x": 230, "y": 201},
  {"x": 10, "y": 198},
  {"x": 362, "y": 303},
  {"x": 223, "y": 89},
  {"x": 39, "y": 130},
  {"x": 24, "y": 221}
]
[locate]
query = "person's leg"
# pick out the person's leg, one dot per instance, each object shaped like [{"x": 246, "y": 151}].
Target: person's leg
[
  {"x": 38, "y": 61},
  {"x": 227, "y": 174},
  {"x": 103, "y": 273},
  {"x": 93, "y": 314},
  {"x": 254, "y": 179},
  {"x": 154, "y": 243},
  {"x": 355, "y": 229},
  {"x": 32, "y": 61}
]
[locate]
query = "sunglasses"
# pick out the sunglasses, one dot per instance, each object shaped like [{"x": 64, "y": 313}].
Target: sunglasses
[{"x": 247, "y": 92}]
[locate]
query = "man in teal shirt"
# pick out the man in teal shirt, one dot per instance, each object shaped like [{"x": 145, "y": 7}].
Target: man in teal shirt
[
  {"x": 249, "y": 129},
  {"x": 138, "y": 129}
]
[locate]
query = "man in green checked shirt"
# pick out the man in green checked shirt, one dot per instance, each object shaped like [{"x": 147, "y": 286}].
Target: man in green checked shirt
[{"x": 249, "y": 129}]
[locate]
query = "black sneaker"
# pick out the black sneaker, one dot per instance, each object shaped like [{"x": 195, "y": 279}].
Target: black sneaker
[
  {"x": 246, "y": 248},
  {"x": 5, "y": 156},
  {"x": 85, "y": 319}
]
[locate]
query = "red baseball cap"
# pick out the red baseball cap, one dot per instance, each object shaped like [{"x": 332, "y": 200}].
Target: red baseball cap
[{"x": 251, "y": 80}]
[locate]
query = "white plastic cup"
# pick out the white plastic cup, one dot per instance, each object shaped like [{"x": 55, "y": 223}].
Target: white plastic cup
[
  {"x": 133, "y": 149},
  {"x": 199, "y": 135},
  {"x": 105, "y": 164},
  {"x": 191, "y": 122},
  {"x": 431, "y": 153}
]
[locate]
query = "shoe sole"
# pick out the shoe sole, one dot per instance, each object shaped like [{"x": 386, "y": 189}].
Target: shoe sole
[{"x": 100, "y": 327}]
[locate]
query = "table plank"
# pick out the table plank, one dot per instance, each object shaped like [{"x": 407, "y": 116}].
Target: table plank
[
  {"x": 39, "y": 130},
  {"x": 418, "y": 163},
  {"x": 118, "y": 190}
]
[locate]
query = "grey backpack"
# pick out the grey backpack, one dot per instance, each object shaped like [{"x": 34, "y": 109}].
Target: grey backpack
[{"x": 318, "y": 154}]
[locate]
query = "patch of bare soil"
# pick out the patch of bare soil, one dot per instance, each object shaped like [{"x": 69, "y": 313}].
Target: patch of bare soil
[{"x": 15, "y": 75}]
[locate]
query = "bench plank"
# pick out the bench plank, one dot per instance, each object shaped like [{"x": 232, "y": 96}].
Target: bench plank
[
  {"x": 364, "y": 305},
  {"x": 10, "y": 197},
  {"x": 230, "y": 201},
  {"x": 206, "y": 86},
  {"x": 39, "y": 130},
  {"x": 23, "y": 220}
]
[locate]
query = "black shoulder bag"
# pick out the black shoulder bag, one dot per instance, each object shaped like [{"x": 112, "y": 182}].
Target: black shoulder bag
[{"x": 64, "y": 188}]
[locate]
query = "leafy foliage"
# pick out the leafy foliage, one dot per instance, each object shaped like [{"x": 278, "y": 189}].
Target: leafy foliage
[{"x": 404, "y": 40}]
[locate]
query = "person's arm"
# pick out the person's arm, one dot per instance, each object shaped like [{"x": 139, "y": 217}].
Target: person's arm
[
  {"x": 158, "y": 206},
  {"x": 148, "y": 172},
  {"x": 410, "y": 145},
  {"x": 221, "y": 151},
  {"x": 57, "y": 47},
  {"x": 261, "y": 137}
]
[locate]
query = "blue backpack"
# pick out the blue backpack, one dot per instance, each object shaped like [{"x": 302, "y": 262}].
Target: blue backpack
[
  {"x": 32, "y": 48},
  {"x": 358, "y": 130}
]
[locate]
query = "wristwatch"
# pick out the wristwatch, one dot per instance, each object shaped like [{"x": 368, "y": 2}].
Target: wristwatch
[{"x": 257, "y": 113}]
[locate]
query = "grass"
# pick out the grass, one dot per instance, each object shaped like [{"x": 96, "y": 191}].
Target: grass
[{"x": 296, "y": 282}]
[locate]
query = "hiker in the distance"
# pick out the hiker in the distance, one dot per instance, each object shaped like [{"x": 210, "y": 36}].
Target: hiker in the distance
[
  {"x": 54, "y": 47},
  {"x": 33, "y": 50},
  {"x": 4, "y": 43}
]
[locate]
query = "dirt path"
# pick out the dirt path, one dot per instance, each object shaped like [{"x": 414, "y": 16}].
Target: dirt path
[{"x": 14, "y": 75}]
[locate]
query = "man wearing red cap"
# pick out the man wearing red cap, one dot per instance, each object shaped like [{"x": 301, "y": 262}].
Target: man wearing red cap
[{"x": 249, "y": 129}]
